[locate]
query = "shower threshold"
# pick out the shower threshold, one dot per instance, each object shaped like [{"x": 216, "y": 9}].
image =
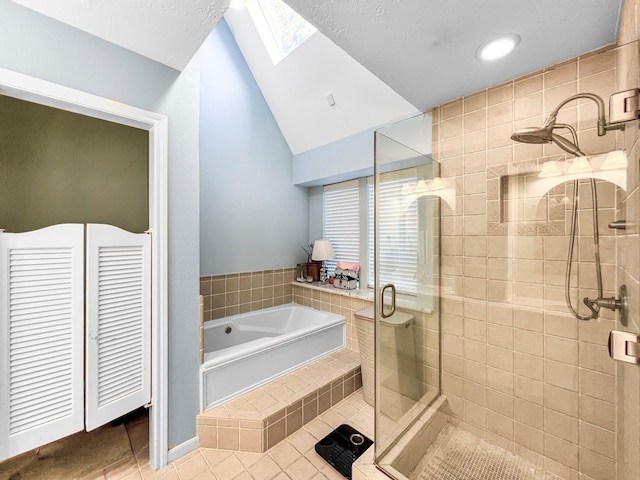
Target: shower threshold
[{"x": 460, "y": 455}]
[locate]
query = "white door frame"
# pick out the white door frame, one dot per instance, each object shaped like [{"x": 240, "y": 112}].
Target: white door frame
[{"x": 35, "y": 90}]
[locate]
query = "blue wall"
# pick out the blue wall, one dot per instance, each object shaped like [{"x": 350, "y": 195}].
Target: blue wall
[
  {"x": 252, "y": 217},
  {"x": 36, "y": 45}
]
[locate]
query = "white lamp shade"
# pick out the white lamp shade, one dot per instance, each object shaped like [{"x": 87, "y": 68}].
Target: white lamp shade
[
  {"x": 550, "y": 169},
  {"x": 616, "y": 159},
  {"x": 437, "y": 183},
  {"x": 580, "y": 165},
  {"x": 322, "y": 250}
]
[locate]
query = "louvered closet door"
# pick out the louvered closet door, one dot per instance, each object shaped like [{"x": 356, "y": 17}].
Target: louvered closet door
[
  {"x": 118, "y": 323},
  {"x": 41, "y": 337}
]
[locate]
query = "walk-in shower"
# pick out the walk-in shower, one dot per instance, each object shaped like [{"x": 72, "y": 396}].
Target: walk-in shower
[{"x": 545, "y": 134}]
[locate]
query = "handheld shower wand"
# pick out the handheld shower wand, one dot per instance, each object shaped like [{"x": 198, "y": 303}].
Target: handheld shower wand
[{"x": 545, "y": 134}]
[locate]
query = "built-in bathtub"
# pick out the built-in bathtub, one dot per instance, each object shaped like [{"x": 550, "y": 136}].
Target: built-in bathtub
[{"x": 245, "y": 351}]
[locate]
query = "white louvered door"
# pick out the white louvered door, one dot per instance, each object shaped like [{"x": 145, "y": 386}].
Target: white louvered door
[
  {"x": 41, "y": 336},
  {"x": 118, "y": 332}
]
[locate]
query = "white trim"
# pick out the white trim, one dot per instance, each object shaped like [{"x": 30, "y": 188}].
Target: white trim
[
  {"x": 185, "y": 447},
  {"x": 35, "y": 90}
]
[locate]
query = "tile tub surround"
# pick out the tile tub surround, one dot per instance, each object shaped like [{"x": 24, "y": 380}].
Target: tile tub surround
[
  {"x": 518, "y": 369},
  {"x": 263, "y": 417},
  {"x": 341, "y": 302},
  {"x": 226, "y": 295}
]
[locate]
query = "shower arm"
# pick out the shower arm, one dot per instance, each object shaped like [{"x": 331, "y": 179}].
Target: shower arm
[{"x": 603, "y": 126}]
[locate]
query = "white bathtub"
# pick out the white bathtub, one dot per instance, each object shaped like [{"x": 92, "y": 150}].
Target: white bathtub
[{"x": 245, "y": 351}]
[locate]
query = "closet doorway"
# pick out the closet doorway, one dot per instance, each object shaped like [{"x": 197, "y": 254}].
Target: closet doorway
[{"x": 25, "y": 88}]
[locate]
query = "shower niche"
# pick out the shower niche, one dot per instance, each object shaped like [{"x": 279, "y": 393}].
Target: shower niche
[{"x": 535, "y": 192}]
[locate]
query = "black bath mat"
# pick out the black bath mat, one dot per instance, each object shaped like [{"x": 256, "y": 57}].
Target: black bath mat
[{"x": 342, "y": 447}]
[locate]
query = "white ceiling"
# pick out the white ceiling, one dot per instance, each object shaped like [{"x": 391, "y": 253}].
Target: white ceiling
[
  {"x": 167, "y": 31},
  {"x": 425, "y": 49},
  {"x": 296, "y": 88},
  {"x": 421, "y": 50}
]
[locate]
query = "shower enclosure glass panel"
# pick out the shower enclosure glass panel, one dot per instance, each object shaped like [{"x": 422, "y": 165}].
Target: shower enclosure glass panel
[{"x": 407, "y": 202}]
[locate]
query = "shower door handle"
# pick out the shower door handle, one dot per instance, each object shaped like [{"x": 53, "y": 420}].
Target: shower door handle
[{"x": 393, "y": 300}]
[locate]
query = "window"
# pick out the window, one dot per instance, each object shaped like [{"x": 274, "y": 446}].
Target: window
[
  {"x": 282, "y": 30},
  {"x": 398, "y": 235},
  {"x": 344, "y": 206},
  {"x": 341, "y": 222}
]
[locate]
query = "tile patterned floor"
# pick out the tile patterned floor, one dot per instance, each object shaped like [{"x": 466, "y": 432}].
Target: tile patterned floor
[
  {"x": 459, "y": 455},
  {"x": 292, "y": 459}
]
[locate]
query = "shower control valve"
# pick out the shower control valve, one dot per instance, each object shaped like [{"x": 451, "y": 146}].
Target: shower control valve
[{"x": 612, "y": 303}]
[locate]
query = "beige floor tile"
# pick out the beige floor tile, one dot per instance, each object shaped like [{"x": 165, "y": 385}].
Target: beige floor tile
[
  {"x": 301, "y": 468},
  {"x": 213, "y": 456},
  {"x": 284, "y": 455},
  {"x": 170, "y": 475},
  {"x": 148, "y": 474},
  {"x": 319, "y": 476},
  {"x": 248, "y": 458},
  {"x": 302, "y": 441},
  {"x": 282, "y": 476},
  {"x": 264, "y": 469},
  {"x": 244, "y": 476},
  {"x": 228, "y": 468},
  {"x": 331, "y": 473},
  {"x": 193, "y": 467},
  {"x": 208, "y": 475},
  {"x": 319, "y": 462},
  {"x": 318, "y": 428}
]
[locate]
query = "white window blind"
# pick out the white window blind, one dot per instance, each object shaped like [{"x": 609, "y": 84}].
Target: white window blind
[
  {"x": 341, "y": 222},
  {"x": 398, "y": 235}
]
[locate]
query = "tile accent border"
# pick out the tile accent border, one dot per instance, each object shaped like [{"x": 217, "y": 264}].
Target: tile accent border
[
  {"x": 241, "y": 425},
  {"x": 231, "y": 294}
]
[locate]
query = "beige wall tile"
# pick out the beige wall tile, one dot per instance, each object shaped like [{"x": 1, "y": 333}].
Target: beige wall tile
[
  {"x": 560, "y": 365},
  {"x": 529, "y": 413},
  {"x": 598, "y": 385},
  {"x": 598, "y": 440},
  {"x": 564, "y": 73},
  {"x": 561, "y": 375},
  {"x": 566, "y": 453},
  {"x": 500, "y": 380},
  {"x": 500, "y": 425},
  {"x": 475, "y": 102},
  {"x": 529, "y": 389},
  {"x": 561, "y": 400},
  {"x": 500, "y": 402},
  {"x": 499, "y": 94},
  {"x": 529, "y": 342},
  {"x": 562, "y": 426},
  {"x": 528, "y": 85},
  {"x": 529, "y": 437},
  {"x": 596, "y": 466}
]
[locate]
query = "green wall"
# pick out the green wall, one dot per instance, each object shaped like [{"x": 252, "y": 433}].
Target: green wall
[{"x": 61, "y": 167}]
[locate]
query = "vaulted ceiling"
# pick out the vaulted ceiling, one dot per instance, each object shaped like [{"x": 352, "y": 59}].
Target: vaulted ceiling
[{"x": 423, "y": 51}]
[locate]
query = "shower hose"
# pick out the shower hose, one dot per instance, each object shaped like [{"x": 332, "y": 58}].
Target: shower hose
[{"x": 596, "y": 249}]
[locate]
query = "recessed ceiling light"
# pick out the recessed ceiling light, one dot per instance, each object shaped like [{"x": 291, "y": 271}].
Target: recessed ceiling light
[{"x": 498, "y": 48}]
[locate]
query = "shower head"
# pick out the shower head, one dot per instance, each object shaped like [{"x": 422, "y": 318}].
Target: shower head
[
  {"x": 533, "y": 135},
  {"x": 545, "y": 134}
]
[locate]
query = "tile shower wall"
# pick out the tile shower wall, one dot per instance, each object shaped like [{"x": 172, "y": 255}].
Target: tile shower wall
[
  {"x": 518, "y": 369},
  {"x": 628, "y": 376},
  {"x": 231, "y": 294}
]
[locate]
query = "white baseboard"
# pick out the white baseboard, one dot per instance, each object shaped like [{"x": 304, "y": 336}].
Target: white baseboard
[{"x": 182, "y": 449}]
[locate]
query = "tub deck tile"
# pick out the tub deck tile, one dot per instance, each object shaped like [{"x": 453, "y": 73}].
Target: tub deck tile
[{"x": 268, "y": 414}]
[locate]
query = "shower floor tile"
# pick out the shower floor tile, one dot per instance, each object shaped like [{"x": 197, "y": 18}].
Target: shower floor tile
[{"x": 459, "y": 455}]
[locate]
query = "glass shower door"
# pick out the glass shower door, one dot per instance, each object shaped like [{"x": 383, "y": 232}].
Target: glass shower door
[{"x": 406, "y": 197}]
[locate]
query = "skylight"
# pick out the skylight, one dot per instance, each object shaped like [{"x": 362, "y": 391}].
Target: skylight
[{"x": 281, "y": 28}]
